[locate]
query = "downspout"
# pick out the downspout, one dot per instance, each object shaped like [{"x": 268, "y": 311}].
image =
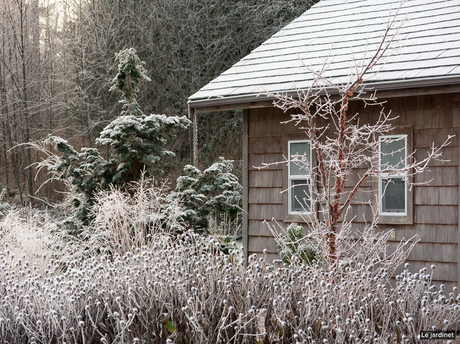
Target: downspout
[
  {"x": 190, "y": 134},
  {"x": 195, "y": 138},
  {"x": 193, "y": 135}
]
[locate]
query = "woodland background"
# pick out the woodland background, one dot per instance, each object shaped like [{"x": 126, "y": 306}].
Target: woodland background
[{"x": 57, "y": 63}]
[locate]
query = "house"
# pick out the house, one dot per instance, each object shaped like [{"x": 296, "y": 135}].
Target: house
[{"x": 420, "y": 82}]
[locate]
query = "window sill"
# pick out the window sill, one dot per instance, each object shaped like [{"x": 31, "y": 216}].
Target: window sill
[
  {"x": 396, "y": 220},
  {"x": 299, "y": 218}
]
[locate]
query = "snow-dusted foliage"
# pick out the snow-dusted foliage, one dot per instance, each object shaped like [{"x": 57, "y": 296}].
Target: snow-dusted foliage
[
  {"x": 137, "y": 141},
  {"x": 136, "y": 144},
  {"x": 185, "y": 290},
  {"x": 213, "y": 194},
  {"x": 130, "y": 73},
  {"x": 295, "y": 244}
]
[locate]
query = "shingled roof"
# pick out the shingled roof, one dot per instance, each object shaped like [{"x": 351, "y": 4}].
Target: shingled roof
[{"x": 340, "y": 33}]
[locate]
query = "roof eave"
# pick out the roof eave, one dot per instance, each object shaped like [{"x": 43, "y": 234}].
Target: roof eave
[{"x": 385, "y": 88}]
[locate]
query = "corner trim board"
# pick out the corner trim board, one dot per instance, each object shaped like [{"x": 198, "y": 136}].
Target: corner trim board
[{"x": 245, "y": 184}]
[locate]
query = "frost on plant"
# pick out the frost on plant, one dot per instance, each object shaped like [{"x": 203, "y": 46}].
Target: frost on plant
[
  {"x": 185, "y": 290},
  {"x": 131, "y": 72},
  {"x": 125, "y": 220},
  {"x": 28, "y": 233},
  {"x": 212, "y": 195},
  {"x": 295, "y": 244},
  {"x": 138, "y": 143}
]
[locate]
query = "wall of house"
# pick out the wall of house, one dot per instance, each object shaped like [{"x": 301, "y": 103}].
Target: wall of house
[{"x": 435, "y": 206}]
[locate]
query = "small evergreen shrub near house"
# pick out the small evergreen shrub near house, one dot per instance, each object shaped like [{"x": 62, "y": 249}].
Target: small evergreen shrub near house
[
  {"x": 212, "y": 196},
  {"x": 295, "y": 244}
]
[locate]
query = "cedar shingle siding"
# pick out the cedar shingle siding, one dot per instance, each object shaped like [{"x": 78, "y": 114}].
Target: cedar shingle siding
[{"x": 435, "y": 205}]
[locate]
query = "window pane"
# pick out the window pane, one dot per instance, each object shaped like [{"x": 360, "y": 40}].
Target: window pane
[
  {"x": 394, "y": 197},
  {"x": 393, "y": 153},
  {"x": 300, "y": 196},
  {"x": 299, "y": 148}
]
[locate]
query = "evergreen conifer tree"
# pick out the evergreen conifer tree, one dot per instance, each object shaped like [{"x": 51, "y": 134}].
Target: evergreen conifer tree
[{"x": 136, "y": 144}]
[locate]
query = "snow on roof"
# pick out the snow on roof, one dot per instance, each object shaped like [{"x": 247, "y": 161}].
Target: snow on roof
[{"x": 342, "y": 34}]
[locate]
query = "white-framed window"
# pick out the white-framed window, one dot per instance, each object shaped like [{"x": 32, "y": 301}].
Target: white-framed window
[
  {"x": 299, "y": 177},
  {"x": 392, "y": 187}
]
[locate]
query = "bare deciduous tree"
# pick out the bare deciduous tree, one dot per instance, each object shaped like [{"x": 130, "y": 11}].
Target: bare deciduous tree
[
  {"x": 20, "y": 59},
  {"x": 343, "y": 146}
]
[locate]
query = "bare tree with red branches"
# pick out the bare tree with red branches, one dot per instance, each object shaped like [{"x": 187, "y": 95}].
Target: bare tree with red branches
[{"x": 342, "y": 145}]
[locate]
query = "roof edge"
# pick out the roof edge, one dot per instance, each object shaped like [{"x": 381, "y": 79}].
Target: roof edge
[{"x": 416, "y": 86}]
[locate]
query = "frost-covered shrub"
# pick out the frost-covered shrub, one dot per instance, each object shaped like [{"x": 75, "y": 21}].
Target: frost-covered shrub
[
  {"x": 122, "y": 220},
  {"x": 212, "y": 195},
  {"x": 295, "y": 243},
  {"x": 185, "y": 290},
  {"x": 136, "y": 144}
]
